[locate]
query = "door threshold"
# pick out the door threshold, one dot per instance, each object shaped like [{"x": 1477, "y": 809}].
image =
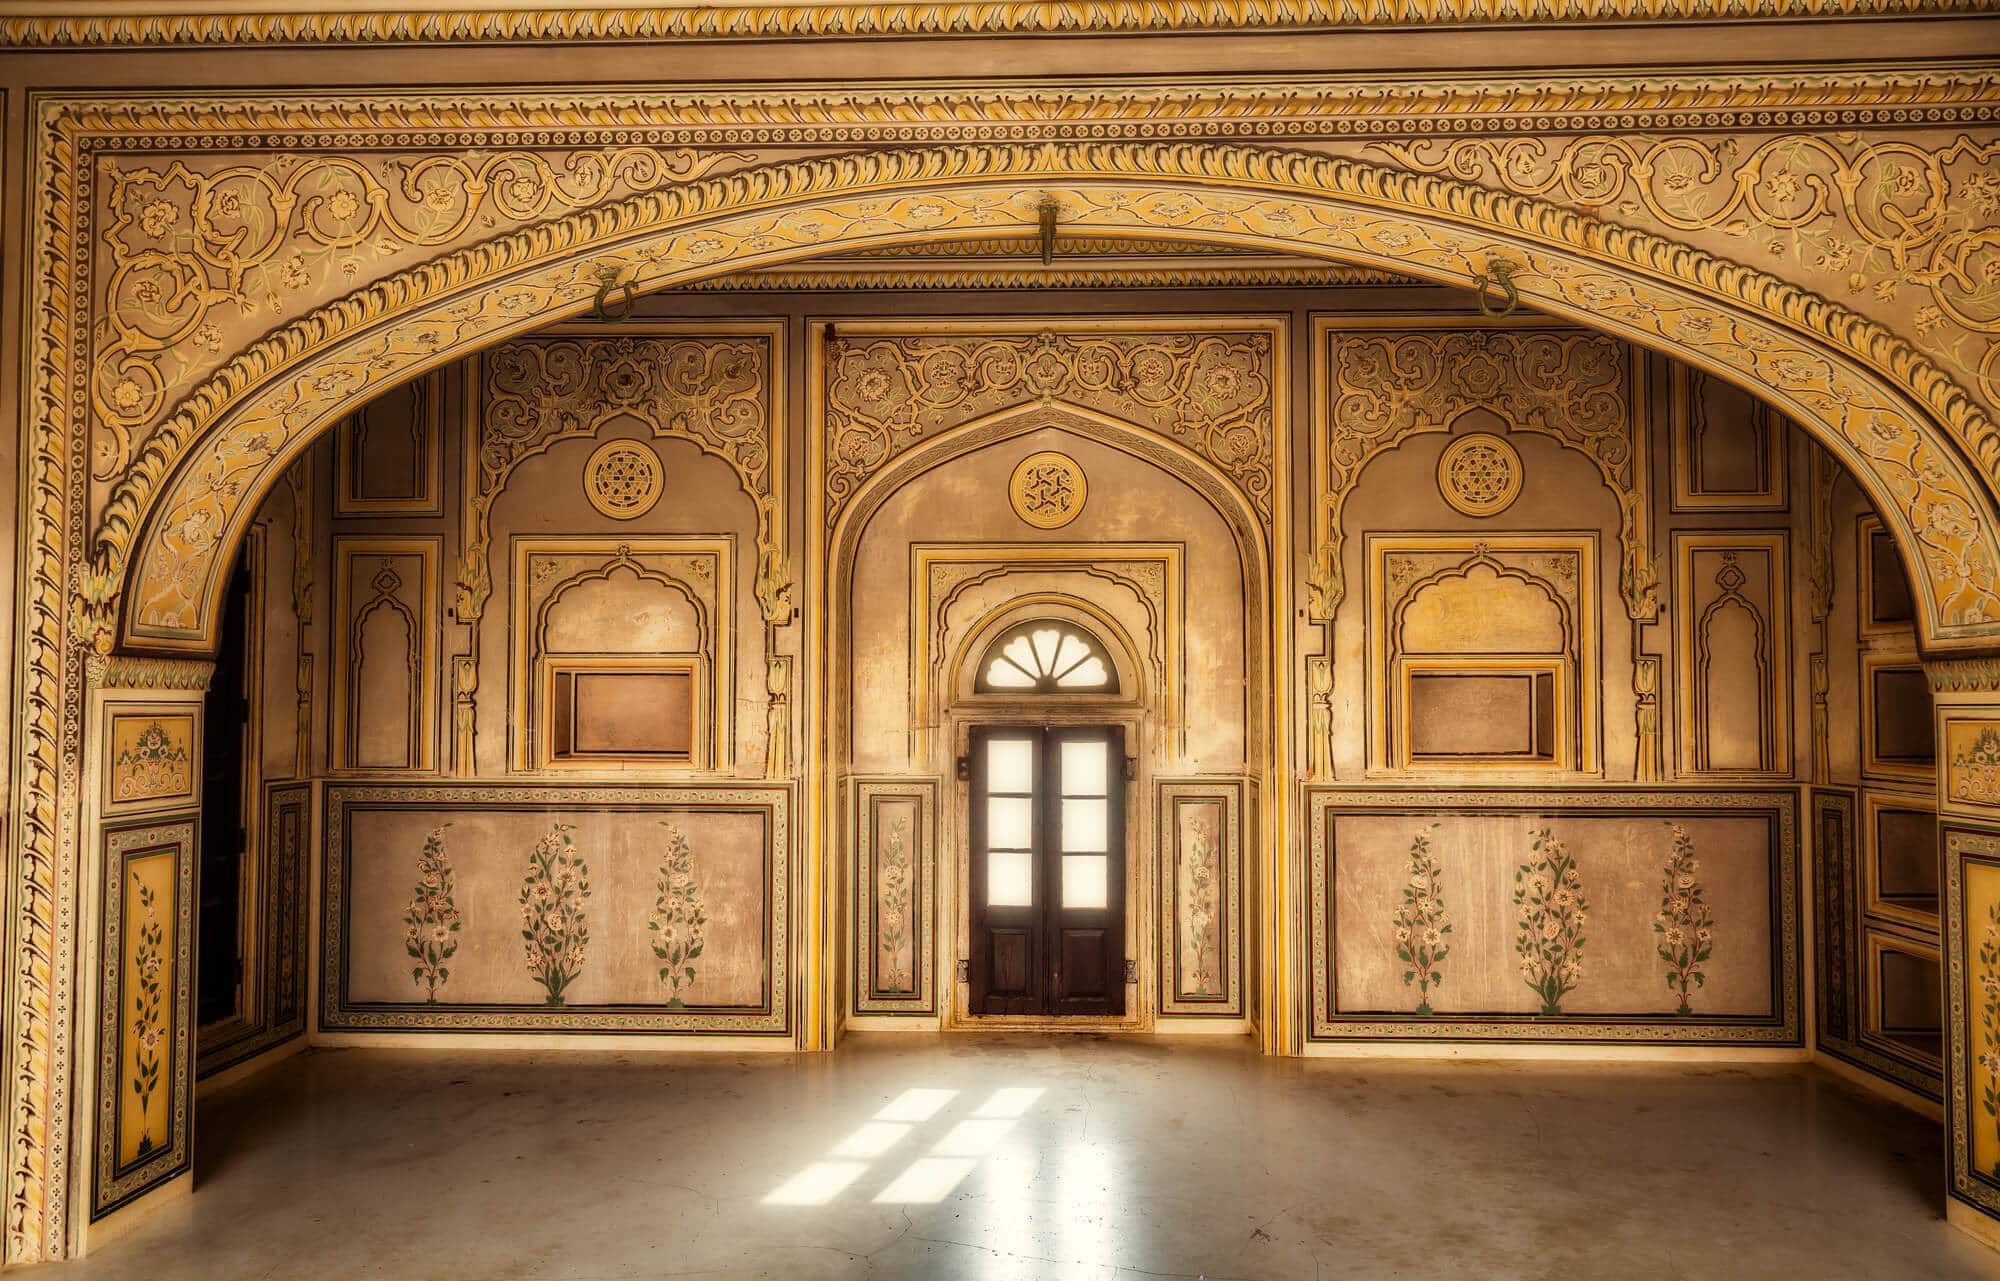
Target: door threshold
[{"x": 1098, "y": 1023}]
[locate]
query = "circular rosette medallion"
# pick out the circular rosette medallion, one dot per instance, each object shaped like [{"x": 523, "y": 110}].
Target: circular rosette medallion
[
  {"x": 1047, "y": 490},
  {"x": 622, "y": 479},
  {"x": 1480, "y": 475}
]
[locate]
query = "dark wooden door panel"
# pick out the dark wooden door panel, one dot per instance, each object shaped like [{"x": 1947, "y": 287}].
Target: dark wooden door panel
[
  {"x": 1086, "y": 982},
  {"x": 1032, "y": 951}
]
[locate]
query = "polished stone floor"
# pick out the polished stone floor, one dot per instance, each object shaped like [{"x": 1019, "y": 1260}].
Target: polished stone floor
[{"x": 1042, "y": 1157}]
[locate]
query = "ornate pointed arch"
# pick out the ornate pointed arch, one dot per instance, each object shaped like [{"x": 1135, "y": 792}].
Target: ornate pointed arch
[{"x": 1876, "y": 401}]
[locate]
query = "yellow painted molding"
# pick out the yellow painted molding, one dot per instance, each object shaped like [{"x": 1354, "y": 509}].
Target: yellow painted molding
[{"x": 120, "y": 23}]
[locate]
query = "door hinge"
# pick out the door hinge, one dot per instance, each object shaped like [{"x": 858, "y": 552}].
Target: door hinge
[
  {"x": 1131, "y": 970},
  {"x": 964, "y": 970},
  {"x": 1131, "y": 768},
  {"x": 965, "y": 769}
]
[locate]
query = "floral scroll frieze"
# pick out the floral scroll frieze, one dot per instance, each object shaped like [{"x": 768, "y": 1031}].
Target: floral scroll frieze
[
  {"x": 712, "y": 391},
  {"x": 199, "y": 258},
  {"x": 1212, "y": 393},
  {"x": 1906, "y": 232}
]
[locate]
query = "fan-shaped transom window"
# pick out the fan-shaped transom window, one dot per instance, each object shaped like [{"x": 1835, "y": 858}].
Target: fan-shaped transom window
[{"x": 1046, "y": 657}]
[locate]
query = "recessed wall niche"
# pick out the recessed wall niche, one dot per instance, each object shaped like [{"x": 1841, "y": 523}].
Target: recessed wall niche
[
  {"x": 1728, "y": 447},
  {"x": 1905, "y": 1001},
  {"x": 1900, "y": 871},
  {"x": 1476, "y": 657},
  {"x": 388, "y": 454},
  {"x": 1734, "y": 652},
  {"x": 1887, "y": 606},
  {"x": 1898, "y": 728},
  {"x": 623, "y": 652}
]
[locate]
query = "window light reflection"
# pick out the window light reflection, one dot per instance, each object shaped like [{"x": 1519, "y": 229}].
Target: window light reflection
[
  {"x": 915, "y": 1106},
  {"x": 973, "y": 1138},
  {"x": 1010, "y": 1101},
  {"x": 817, "y": 1184},
  {"x": 871, "y": 1140},
  {"x": 928, "y": 1180}
]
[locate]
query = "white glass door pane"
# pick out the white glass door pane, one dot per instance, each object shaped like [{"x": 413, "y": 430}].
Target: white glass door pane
[
  {"x": 1010, "y": 878},
  {"x": 1083, "y": 826},
  {"x": 1083, "y": 768},
  {"x": 1086, "y": 880},
  {"x": 1089, "y": 674},
  {"x": 1010, "y": 765},
  {"x": 1010, "y": 823}
]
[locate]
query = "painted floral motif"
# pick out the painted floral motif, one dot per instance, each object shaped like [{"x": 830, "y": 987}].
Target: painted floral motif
[
  {"x": 1685, "y": 926},
  {"x": 555, "y": 929},
  {"x": 893, "y": 914},
  {"x": 431, "y": 921},
  {"x": 1975, "y": 769},
  {"x": 149, "y": 1025},
  {"x": 1548, "y": 891},
  {"x": 154, "y": 764},
  {"x": 1199, "y": 923},
  {"x": 1421, "y": 923},
  {"x": 1989, "y": 1021},
  {"x": 679, "y": 920}
]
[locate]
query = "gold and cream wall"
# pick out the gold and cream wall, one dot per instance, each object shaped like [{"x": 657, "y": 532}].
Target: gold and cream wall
[{"x": 1484, "y": 645}]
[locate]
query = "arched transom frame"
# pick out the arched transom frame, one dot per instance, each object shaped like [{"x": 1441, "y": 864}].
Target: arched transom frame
[{"x": 1871, "y": 397}]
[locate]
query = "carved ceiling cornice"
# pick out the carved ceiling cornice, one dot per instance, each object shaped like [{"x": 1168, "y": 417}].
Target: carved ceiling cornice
[
  {"x": 1081, "y": 262},
  {"x": 122, "y": 23},
  {"x": 955, "y": 276},
  {"x": 1216, "y": 109}
]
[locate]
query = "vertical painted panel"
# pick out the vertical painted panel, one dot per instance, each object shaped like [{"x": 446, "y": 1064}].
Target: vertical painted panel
[
  {"x": 1200, "y": 870},
  {"x": 146, "y": 1009},
  {"x": 894, "y": 839}
]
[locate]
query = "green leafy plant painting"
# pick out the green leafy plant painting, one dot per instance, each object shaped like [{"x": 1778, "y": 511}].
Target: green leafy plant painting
[
  {"x": 1548, "y": 935},
  {"x": 430, "y": 923},
  {"x": 893, "y": 917},
  {"x": 149, "y": 1026},
  {"x": 1421, "y": 923},
  {"x": 1989, "y": 1022},
  {"x": 679, "y": 922},
  {"x": 1685, "y": 926},
  {"x": 555, "y": 928}
]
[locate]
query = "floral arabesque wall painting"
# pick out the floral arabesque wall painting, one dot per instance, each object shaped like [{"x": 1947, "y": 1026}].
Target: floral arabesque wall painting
[
  {"x": 679, "y": 922},
  {"x": 1685, "y": 925},
  {"x": 432, "y": 919},
  {"x": 1421, "y": 922},
  {"x": 554, "y": 925},
  {"x": 1548, "y": 938}
]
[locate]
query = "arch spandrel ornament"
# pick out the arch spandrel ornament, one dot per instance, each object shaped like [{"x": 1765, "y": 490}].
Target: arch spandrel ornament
[{"x": 1732, "y": 321}]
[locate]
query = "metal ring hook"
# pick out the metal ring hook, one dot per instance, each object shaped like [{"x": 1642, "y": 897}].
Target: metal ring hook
[
  {"x": 604, "y": 291},
  {"x": 1499, "y": 273}
]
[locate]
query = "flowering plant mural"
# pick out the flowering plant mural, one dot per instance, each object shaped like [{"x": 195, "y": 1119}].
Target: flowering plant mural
[
  {"x": 148, "y": 1024},
  {"x": 1548, "y": 937},
  {"x": 679, "y": 920},
  {"x": 1198, "y": 902},
  {"x": 154, "y": 763},
  {"x": 1989, "y": 1021},
  {"x": 555, "y": 928},
  {"x": 1685, "y": 925},
  {"x": 432, "y": 919},
  {"x": 893, "y": 914},
  {"x": 1421, "y": 923}
]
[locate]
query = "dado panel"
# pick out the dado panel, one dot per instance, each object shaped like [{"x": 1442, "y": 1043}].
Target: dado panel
[
  {"x": 553, "y": 909},
  {"x": 1609, "y": 915}
]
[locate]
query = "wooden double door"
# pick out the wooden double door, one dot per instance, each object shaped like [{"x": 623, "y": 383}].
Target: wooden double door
[{"x": 1048, "y": 870}]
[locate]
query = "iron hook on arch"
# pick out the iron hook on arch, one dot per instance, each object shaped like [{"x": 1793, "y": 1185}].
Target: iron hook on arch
[
  {"x": 1499, "y": 274},
  {"x": 624, "y": 311}
]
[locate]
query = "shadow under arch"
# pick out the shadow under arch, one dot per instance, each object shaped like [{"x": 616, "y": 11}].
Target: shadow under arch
[{"x": 1914, "y": 439}]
